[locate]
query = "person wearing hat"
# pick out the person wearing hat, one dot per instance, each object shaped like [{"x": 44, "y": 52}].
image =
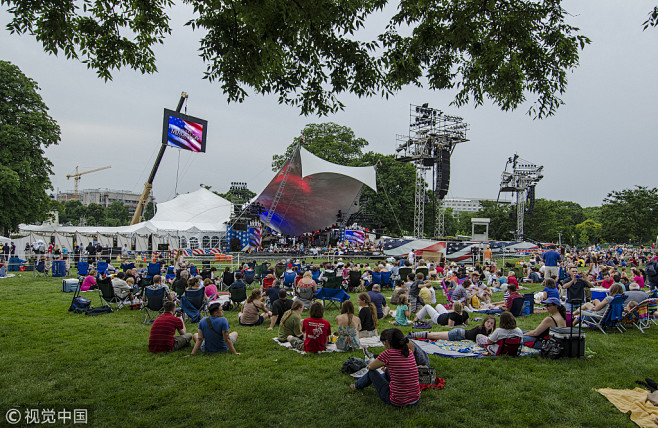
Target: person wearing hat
[
  {"x": 213, "y": 334},
  {"x": 557, "y": 318}
]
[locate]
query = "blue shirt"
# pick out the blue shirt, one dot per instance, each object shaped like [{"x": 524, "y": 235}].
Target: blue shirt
[
  {"x": 551, "y": 258},
  {"x": 214, "y": 342},
  {"x": 552, "y": 292}
]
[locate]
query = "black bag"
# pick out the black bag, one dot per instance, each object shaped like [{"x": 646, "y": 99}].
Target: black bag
[
  {"x": 99, "y": 310},
  {"x": 552, "y": 348},
  {"x": 426, "y": 375},
  {"x": 227, "y": 306},
  {"x": 353, "y": 365}
]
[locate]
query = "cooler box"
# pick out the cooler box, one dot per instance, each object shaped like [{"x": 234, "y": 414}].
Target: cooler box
[
  {"x": 70, "y": 285},
  {"x": 599, "y": 293},
  {"x": 573, "y": 341},
  {"x": 59, "y": 268}
]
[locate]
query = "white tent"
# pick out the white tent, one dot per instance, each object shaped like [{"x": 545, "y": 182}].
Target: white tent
[{"x": 314, "y": 193}]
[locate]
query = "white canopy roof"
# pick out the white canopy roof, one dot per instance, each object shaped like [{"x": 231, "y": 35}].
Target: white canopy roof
[
  {"x": 199, "y": 211},
  {"x": 314, "y": 193}
]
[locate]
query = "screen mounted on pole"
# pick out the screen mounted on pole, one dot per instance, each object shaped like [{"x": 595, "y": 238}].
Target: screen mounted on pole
[{"x": 183, "y": 131}]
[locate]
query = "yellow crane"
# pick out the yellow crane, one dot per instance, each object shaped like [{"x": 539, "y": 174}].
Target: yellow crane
[{"x": 77, "y": 175}]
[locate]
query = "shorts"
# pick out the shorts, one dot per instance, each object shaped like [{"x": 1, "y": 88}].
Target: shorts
[
  {"x": 259, "y": 322},
  {"x": 181, "y": 341},
  {"x": 457, "y": 334}
]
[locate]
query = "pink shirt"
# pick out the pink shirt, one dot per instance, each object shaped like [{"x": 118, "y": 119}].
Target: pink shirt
[
  {"x": 211, "y": 290},
  {"x": 87, "y": 283}
]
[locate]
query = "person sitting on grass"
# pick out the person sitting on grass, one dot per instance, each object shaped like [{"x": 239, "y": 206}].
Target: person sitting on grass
[
  {"x": 400, "y": 288},
  {"x": 213, "y": 334},
  {"x": 399, "y": 384},
  {"x": 89, "y": 283},
  {"x": 279, "y": 307},
  {"x": 557, "y": 318},
  {"x": 348, "y": 327},
  {"x": 550, "y": 289},
  {"x": 368, "y": 316},
  {"x": 442, "y": 316},
  {"x": 250, "y": 315},
  {"x": 507, "y": 330},
  {"x": 596, "y": 308},
  {"x": 402, "y": 311},
  {"x": 486, "y": 328},
  {"x": 316, "y": 331},
  {"x": 378, "y": 299},
  {"x": 162, "y": 337},
  {"x": 291, "y": 323},
  {"x": 509, "y": 299},
  {"x": 459, "y": 293}
]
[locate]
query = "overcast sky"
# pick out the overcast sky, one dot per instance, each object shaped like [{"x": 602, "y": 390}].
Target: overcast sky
[{"x": 602, "y": 139}]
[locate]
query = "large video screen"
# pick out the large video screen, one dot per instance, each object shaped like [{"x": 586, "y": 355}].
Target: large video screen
[{"x": 183, "y": 131}]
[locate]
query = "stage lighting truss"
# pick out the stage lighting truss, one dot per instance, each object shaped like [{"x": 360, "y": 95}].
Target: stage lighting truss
[
  {"x": 522, "y": 181},
  {"x": 431, "y": 140}
]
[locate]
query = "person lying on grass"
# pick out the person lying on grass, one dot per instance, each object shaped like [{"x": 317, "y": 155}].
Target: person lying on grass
[
  {"x": 250, "y": 314},
  {"x": 316, "y": 331},
  {"x": 442, "y": 316},
  {"x": 557, "y": 318},
  {"x": 486, "y": 328},
  {"x": 162, "y": 337},
  {"x": 213, "y": 334},
  {"x": 399, "y": 384},
  {"x": 507, "y": 330}
]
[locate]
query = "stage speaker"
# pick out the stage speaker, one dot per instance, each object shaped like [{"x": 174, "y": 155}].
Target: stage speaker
[
  {"x": 163, "y": 247},
  {"x": 443, "y": 173},
  {"x": 240, "y": 227},
  {"x": 530, "y": 201}
]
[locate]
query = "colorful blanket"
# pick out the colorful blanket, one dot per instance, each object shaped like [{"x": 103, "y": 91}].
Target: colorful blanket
[
  {"x": 460, "y": 349},
  {"x": 366, "y": 342}
]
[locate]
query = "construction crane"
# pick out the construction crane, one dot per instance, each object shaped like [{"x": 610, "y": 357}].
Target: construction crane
[{"x": 77, "y": 175}]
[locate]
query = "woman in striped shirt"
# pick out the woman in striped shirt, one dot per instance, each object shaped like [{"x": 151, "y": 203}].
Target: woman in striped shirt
[{"x": 399, "y": 384}]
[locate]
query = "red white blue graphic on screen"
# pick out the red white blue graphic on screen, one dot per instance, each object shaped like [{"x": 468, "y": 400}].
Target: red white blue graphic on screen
[{"x": 185, "y": 134}]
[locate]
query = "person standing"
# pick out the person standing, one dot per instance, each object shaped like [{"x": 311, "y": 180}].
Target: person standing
[{"x": 551, "y": 259}]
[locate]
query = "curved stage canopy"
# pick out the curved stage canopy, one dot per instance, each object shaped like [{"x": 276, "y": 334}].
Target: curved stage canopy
[{"x": 314, "y": 193}]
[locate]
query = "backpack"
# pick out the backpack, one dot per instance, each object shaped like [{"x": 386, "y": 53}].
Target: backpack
[
  {"x": 353, "y": 365},
  {"x": 106, "y": 309},
  {"x": 227, "y": 306},
  {"x": 80, "y": 305},
  {"x": 474, "y": 302}
]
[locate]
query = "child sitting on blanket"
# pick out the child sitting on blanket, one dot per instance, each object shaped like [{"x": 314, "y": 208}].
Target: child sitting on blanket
[
  {"x": 402, "y": 311},
  {"x": 507, "y": 330}
]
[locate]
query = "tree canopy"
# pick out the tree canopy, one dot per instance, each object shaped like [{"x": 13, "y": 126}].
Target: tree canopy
[
  {"x": 630, "y": 214},
  {"x": 26, "y": 130},
  {"x": 309, "y": 52}
]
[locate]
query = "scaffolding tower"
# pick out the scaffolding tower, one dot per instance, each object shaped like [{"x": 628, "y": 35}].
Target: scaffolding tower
[
  {"x": 429, "y": 144},
  {"x": 522, "y": 181}
]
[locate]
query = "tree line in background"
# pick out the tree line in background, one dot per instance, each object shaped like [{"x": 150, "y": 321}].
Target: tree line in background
[
  {"x": 626, "y": 216},
  {"x": 73, "y": 213}
]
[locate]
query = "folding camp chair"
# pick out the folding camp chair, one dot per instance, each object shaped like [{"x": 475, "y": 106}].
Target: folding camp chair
[
  {"x": 425, "y": 271},
  {"x": 289, "y": 279},
  {"x": 153, "y": 304},
  {"x": 171, "y": 274},
  {"x": 353, "y": 280},
  {"x": 278, "y": 270},
  {"x": 511, "y": 346},
  {"x": 83, "y": 268},
  {"x": 249, "y": 277},
  {"x": 639, "y": 317},
  {"x": 315, "y": 274},
  {"x": 40, "y": 268},
  {"x": 611, "y": 318},
  {"x": 106, "y": 293},
  {"x": 196, "y": 301},
  {"x": 376, "y": 278},
  {"x": 306, "y": 295},
  {"x": 517, "y": 306},
  {"x": 153, "y": 269},
  {"x": 329, "y": 292},
  {"x": 126, "y": 266},
  {"x": 386, "y": 279},
  {"x": 404, "y": 272},
  {"x": 101, "y": 269},
  {"x": 258, "y": 269},
  {"x": 238, "y": 295}
]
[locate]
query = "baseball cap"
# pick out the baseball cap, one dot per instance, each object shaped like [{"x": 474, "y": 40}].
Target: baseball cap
[{"x": 552, "y": 300}]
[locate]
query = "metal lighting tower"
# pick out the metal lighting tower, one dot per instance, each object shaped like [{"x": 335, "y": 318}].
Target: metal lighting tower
[
  {"x": 431, "y": 140},
  {"x": 522, "y": 181}
]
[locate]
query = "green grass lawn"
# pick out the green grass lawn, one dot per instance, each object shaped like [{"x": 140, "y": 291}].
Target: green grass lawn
[{"x": 55, "y": 359}]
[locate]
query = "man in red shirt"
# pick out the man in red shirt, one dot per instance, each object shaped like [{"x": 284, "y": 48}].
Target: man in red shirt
[
  {"x": 606, "y": 282},
  {"x": 162, "y": 338}
]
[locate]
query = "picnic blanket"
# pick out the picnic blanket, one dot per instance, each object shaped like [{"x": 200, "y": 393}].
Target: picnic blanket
[
  {"x": 366, "y": 342},
  {"x": 9, "y": 275},
  {"x": 460, "y": 349},
  {"x": 633, "y": 401},
  {"x": 489, "y": 311}
]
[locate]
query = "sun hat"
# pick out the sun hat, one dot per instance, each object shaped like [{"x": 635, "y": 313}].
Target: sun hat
[{"x": 552, "y": 300}]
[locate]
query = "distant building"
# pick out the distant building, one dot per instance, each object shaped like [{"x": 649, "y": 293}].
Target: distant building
[
  {"x": 104, "y": 197},
  {"x": 469, "y": 205}
]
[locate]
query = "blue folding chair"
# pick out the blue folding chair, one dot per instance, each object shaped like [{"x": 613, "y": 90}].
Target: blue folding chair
[
  {"x": 101, "y": 269},
  {"x": 40, "y": 268},
  {"x": 611, "y": 318},
  {"x": 83, "y": 268},
  {"x": 152, "y": 270},
  {"x": 126, "y": 266},
  {"x": 334, "y": 296},
  {"x": 194, "y": 271},
  {"x": 249, "y": 276},
  {"x": 376, "y": 278},
  {"x": 315, "y": 274},
  {"x": 289, "y": 279},
  {"x": 193, "y": 305},
  {"x": 171, "y": 274},
  {"x": 386, "y": 279}
]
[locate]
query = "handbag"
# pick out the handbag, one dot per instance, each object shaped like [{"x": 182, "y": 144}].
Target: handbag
[
  {"x": 552, "y": 349},
  {"x": 426, "y": 375}
]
